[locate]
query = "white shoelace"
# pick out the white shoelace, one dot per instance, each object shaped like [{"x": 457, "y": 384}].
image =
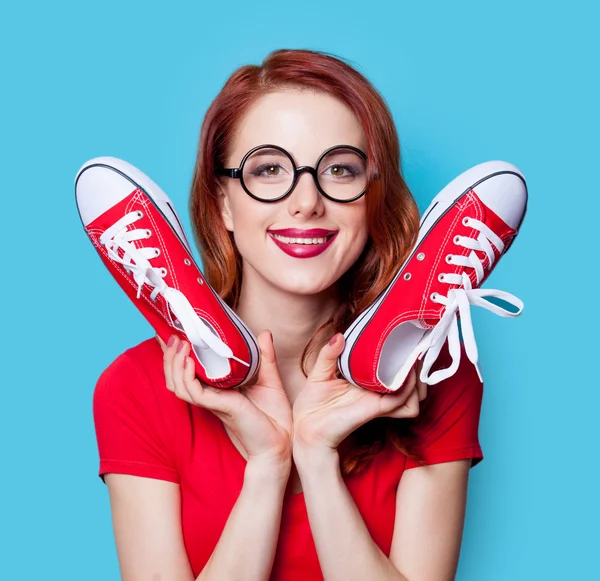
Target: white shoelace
[
  {"x": 136, "y": 261},
  {"x": 458, "y": 304}
]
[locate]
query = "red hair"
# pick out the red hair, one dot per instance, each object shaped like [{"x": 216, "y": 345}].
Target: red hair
[{"x": 391, "y": 212}]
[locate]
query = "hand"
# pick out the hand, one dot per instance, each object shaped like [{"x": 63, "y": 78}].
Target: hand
[
  {"x": 328, "y": 409},
  {"x": 259, "y": 415}
]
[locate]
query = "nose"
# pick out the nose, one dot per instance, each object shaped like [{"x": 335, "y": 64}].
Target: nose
[{"x": 306, "y": 199}]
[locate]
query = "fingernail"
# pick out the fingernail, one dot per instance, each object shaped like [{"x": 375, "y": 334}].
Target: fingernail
[
  {"x": 180, "y": 346},
  {"x": 333, "y": 339},
  {"x": 171, "y": 340}
]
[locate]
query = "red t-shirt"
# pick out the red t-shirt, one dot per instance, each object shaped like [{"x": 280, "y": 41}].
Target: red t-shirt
[{"x": 145, "y": 430}]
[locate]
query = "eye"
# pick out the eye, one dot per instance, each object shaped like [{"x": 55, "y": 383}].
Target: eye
[
  {"x": 340, "y": 170},
  {"x": 342, "y": 165},
  {"x": 268, "y": 170}
]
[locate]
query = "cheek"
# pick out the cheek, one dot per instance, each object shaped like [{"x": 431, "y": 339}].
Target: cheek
[
  {"x": 250, "y": 220},
  {"x": 357, "y": 246},
  {"x": 359, "y": 232},
  {"x": 246, "y": 213}
]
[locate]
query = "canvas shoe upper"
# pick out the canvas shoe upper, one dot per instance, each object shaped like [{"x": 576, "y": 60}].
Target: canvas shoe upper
[
  {"x": 138, "y": 235},
  {"x": 469, "y": 225}
]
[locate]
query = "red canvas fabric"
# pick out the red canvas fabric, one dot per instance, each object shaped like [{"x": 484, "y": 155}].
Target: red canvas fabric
[
  {"x": 144, "y": 430},
  {"x": 181, "y": 274},
  {"x": 410, "y": 299}
]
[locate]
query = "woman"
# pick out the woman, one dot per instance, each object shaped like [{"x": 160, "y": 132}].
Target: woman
[{"x": 301, "y": 475}]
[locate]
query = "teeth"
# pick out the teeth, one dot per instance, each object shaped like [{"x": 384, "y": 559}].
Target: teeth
[{"x": 299, "y": 240}]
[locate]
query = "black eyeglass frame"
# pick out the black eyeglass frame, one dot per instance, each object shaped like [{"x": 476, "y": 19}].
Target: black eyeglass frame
[{"x": 238, "y": 173}]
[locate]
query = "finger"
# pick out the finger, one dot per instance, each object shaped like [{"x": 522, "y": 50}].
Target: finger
[
  {"x": 228, "y": 404},
  {"x": 198, "y": 393},
  {"x": 390, "y": 402},
  {"x": 268, "y": 372},
  {"x": 421, "y": 390},
  {"x": 168, "y": 356},
  {"x": 326, "y": 364},
  {"x": 409, "y": 385},
  {"x": 182, "y": 351},
  {"x": 410, "y": 408},
  {"x": 184, "y": 393},
  {"x": 421, "y": 386}
]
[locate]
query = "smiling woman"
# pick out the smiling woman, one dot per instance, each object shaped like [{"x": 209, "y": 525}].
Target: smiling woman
[
  {"x": 302, "y": 217},
  {"x": 305, "y": 123}
]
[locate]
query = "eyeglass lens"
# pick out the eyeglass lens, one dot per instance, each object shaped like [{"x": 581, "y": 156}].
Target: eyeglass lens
[{"x": 269, "y": 173}]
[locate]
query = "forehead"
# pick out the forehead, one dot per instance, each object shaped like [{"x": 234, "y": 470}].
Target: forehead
[{"x": 305, "y": 122}]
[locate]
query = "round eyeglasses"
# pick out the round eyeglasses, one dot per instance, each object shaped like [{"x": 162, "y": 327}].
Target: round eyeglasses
[{"x": 268, "y": 173}]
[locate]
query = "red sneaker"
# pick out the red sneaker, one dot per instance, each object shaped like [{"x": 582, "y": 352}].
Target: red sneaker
[
  {"x": 469, "y": 225},
  {"x": 135, "y": 229}
]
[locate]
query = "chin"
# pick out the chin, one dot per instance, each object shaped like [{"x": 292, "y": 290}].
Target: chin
[{"x": 300, "y": 283}]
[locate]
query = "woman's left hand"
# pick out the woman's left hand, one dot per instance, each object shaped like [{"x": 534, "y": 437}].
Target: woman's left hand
[{"x": 328, "y": 409}]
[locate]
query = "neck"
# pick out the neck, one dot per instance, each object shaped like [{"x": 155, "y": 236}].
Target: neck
[{"x": 291, "y": 318}]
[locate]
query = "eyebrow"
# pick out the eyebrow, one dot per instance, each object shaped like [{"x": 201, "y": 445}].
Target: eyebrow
[{"x": 270, "y": 151}]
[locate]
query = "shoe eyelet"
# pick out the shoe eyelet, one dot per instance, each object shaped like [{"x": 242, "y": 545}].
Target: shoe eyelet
[
  {"x": 148, "y": 233},
  {"x": 139, "y": 214},
  {"x": 457, "y": 239},
  {"x": 465, "y": 221},
  {"x": 407, "y": 276},
  {"x": 199, "y": 279},
  {"x": 441, "y": 277},
  {"x": 449, "y": 258},
  {"x": 156, "y": 252},
  {"x": 421, "y": 256},
  {"x": 433, "y": 297},
  {"x": 187, "y": 262},
  {"x": 162, "y": 271}
]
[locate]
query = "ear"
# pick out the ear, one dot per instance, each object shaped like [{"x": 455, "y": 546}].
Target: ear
[{"x": 223, "y": 200}]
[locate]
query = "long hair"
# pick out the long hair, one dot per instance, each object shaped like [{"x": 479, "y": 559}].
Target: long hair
[{"x": 391, "y": 212}]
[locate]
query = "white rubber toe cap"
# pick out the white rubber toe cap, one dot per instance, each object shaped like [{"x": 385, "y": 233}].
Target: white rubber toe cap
[
  {"x": 505, "y": 193},
  {"x": 499, "y": 185},
  {"x": 99, "y": 186}
]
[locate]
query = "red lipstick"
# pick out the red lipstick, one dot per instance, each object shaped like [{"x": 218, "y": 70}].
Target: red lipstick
[
  {"x": 304, "y": 233},
  {"x": 304, "y": 250}
]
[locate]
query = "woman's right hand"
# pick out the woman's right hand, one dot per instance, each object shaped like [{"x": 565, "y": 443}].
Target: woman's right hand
[{"x": 259, "y": 415}]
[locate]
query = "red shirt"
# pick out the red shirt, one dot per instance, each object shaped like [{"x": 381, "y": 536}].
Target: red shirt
[{"x": 145, "y": 430}]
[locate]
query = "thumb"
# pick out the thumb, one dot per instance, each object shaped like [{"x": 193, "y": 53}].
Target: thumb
[
  {"x": 268, "y": 372},
  {"x": 326, "y": 364}
]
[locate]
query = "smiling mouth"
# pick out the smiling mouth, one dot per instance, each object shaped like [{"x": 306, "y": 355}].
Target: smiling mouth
[{"x": 304, "y": 241}]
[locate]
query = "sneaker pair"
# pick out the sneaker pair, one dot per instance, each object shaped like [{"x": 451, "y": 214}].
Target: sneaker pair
[{"x": 467, "y": 228}]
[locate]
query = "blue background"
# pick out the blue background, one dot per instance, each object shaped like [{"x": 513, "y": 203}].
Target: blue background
[{"x": 466, "y": 82}]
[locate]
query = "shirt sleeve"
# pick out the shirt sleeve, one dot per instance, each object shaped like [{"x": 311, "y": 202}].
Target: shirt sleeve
[
  {"x": 131, "y": 430},
  {"x": 447, "y": 427}
]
